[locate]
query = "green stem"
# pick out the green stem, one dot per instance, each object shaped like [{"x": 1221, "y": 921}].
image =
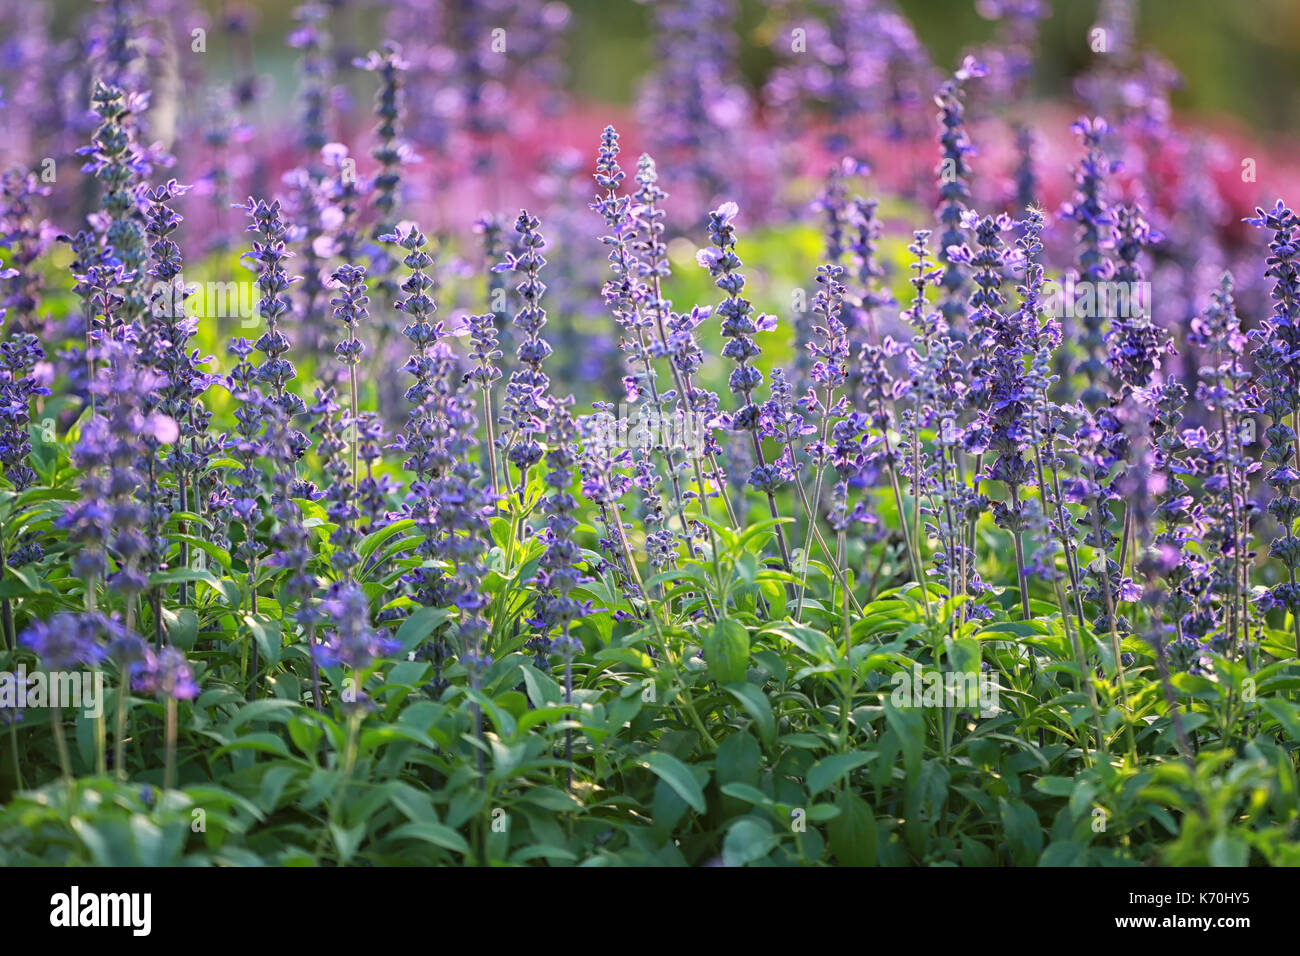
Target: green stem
[
  {"x": 169, "y": 773},
  {"x": 6, "y": 608},
  {"x": 1114, "y": 642},
  {"x": 119, "y": 741},
  {"x": 491, "y": 441},
  {"x": 13, "y": 748},
  {"x": 61, "y": 745},
  {"x": 850, "y": 680}
]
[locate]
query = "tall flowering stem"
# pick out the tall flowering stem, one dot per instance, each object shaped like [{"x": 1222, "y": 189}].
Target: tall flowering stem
[
  {"x": 19, "y": 355},
  {"x": 292, "y": 542},
  {"x": 273, "y": 282},
  {"x": 556, "y": 608},
  {"x": 604, "y": 483},
  {"x": 829, "y": 371},
  {"x": 418, "y": 440},
  {"x": 1045, "y": 419},
  {"x": 675, "y": 335},
  {"x": 1002, "y": 391},
  {"x": 332, "y": 449},
  {"x": 491, "y": 238},
  {"x": 391, "y": 154},
  {"x": 25, "y": 239},
  {"x": 312, "y": 38},
  {"x": 350, "y": 308},
  {"x": 1090, "y": 211},
  {"x": 1100, "y": 444},
  {"x": 1224, "y": 388},
  {"x": 484, "y": 374},
  {"x": 937, "y": 392},
  {"x": 1277, "y": 395},
  {"x": 462, "y": 507},
  {"x": 527, "y": 400},
  {"x": 633, "y": 295},
  {"x": 954, "y": 173},
  {"x": 119, "y": 165},
  {"x": 238, "y": 500},
  {"x": 872, "y": 296},
  {"x": 739, "y": 325},
  {"x": 880, "y": 392},
  {"x": 181, "y": 396},
  {"x": 1134, "y": 345}
]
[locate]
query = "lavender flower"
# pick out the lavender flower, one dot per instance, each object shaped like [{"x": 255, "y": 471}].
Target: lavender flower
[
  {"x": 20, "y": 353},
  {"x": 422, "y": 331},
  {"x": 526, "y": 403},
  {"x": 237, "y": 501},
  {"x": 67, "y": 640},
  {"x": 1277, "y": 393},
  {"x": 739, "y": 325},
  {"x": 332, "y": 449},
  {"x": 273, "y": 281},
  {"x": 1089, "y": 209},
  {"x": 312, "y": 38},
  {"x": 350, "y": 308},
  {"x": 26, "y": 238},
  {"x": 186, "y": 380},
  {"x": 109, "y": 516},
  {"x": 391, "y": 154},
  {"x": 1134, "y": 344},
  {"x": 457, "y": 507},
  {"x": 1101, "y": 444},
  {"x": 1225, "y": 524},
  {"x": 954, "y": 174},
  {"x": 872, "y": 295},
  {"x": 638, "y": 258},
  {"x": 351, "y": 640},
  {"x": 165, "y": 674},
  {"x": 117, "y": 162},
  {"x": 555, "y": 608}
]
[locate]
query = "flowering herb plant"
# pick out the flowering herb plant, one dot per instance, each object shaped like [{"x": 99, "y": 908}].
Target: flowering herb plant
[{"x": 950, "y": 508}]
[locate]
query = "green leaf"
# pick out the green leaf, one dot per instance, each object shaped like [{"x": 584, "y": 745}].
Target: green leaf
[
  {"x": 826, "y": 772},
  {"x": 1065, "y": 853},
  {"x": 909, "y": 727},
  {"x": 678, "y": 776},
  {"x": 420, "y": 627},
  {"x": 182, "y": 627},
  {"x": 852, "y": 834},
  {"x": 726, "y": 651},
  {"x": 542, "y": 690},
  {"x": 437, "y": 834},
  {"x": 1227, "y": 849},
  {"x": 373, "y": 540},
  {"x": 748, "y": 841},
  {"x": 755, "y": 703},
  {"x": 1023, "y": 832},
  {"x": 269, "y": 642}
]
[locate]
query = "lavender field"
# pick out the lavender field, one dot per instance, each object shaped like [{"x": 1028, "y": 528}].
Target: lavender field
[{"x": 829, "y": 453}]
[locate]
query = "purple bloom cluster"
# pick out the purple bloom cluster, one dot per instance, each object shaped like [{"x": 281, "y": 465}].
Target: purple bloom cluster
[
  {"x": 1277, "y": 391},
  {"x": 526, "y": 406},
  {"x": 119, "y": 165},
  {"x": 954, "y": 173},
  {"x": 350, "y": 639}
]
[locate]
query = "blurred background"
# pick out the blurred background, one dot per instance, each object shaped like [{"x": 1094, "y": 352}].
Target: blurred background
[
  {"x": 1239, "y": 62},
  {"x": 503, "y": 103}
]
